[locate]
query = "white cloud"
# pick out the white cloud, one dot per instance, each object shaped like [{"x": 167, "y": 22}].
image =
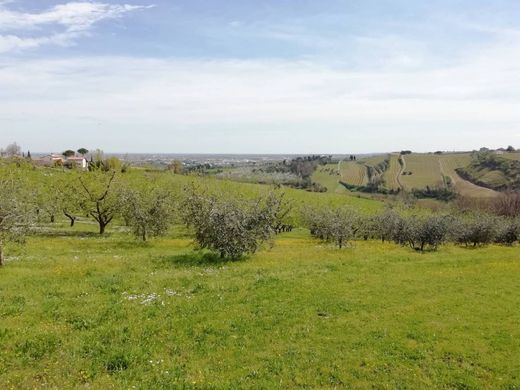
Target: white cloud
[
  {"x": 76, "y": 19},
  {"x": 139, "y": 104}
]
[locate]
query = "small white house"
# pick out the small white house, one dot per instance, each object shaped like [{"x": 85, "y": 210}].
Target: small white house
[
  {"x": 80, "y": 162},
  {"x": 58, "y": 159}
]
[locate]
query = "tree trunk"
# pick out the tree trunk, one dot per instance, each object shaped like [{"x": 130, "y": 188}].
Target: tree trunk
[
  {"x": 71, "y": 217},
  {"x": 1, "y": 254},
  {"x": 52, "y": 218},
  {"x": 102, "y": 227}
]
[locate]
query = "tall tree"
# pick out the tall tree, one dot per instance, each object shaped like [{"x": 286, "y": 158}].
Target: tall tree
[
  {"x": 12, "y": 150},
  {"x": 15, "y": 208},
  {"x": 69, "y": 153},
  {"x": 83, "y": 151},
  {"x": 100, "y": 199}
]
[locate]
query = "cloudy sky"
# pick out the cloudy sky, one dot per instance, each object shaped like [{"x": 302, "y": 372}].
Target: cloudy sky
[{"x": 260, "y": 76}]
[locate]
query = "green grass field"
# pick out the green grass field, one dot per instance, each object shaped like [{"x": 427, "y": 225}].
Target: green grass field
[
  {"x": 80, "y": 311},
  {"x": 327, "y": 175}
]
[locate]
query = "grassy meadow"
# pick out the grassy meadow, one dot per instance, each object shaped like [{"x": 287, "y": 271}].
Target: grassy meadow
[
  {"x": 83, "y": 311},
  {"x": 328, "y": 176}
]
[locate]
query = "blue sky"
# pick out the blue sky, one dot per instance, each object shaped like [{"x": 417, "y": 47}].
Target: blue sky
[{"x": 260, "y": 76}]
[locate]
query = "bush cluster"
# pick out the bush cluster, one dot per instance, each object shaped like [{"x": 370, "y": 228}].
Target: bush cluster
[
  {"x": 229, "y": 226},
  {"x": 418, "y": 232}
]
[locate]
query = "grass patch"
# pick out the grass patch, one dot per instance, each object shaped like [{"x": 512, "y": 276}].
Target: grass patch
[{"x": 83, "y": 311}]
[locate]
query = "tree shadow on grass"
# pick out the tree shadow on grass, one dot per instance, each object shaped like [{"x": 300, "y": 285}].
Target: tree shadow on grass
[
  {"x": 66, "y": 233},
  {"x": 196, "y": 259}
]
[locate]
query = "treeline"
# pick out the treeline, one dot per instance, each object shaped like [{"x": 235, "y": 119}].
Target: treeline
[
  {"x": 231, "y": 225},
  {"x": 300, "y": 167},
  {"x": 147, "y": 203},
  {"x": 341, "y": 225}
]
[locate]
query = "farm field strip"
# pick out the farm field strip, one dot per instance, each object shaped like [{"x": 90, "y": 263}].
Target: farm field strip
[
  {"x": 425, "y": 171},
  {"x": 392, "y": 174},
  {"x": 328, "y": 177},
  {"x": 353, "y": 173},
  {"x": 449, "y": 163}
]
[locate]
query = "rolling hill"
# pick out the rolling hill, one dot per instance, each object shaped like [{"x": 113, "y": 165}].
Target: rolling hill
[{"x": 466, "y": 173}]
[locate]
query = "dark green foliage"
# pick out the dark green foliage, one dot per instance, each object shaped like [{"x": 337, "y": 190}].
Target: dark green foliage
[
  {"x": 69, "y": 153},
  {"x": 441, "y": 193}
]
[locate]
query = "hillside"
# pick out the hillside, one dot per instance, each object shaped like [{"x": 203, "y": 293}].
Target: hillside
[
  {"x": 419, "y": 171},
  {"x": 494, "y": 171},
  {"x": 83, "y": 311}
]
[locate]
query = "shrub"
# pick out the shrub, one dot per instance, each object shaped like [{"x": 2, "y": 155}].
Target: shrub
[
  {"x": 507, "y": 204},
  {"x": 427, "y": 232},
  {"x": 386, "y": 224},
  {"x": 332, "y": 225},
  {"x": 478, "y": 230},
  {"x": 231, "y": 227},
  {"x": 147, "y": 210},
  {"x": 508, "y": 231}
]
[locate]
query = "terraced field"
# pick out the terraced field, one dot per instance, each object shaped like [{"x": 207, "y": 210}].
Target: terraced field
[
  {"x": 392, "y": 175},
  {"x": 425, "y": 171},
  {"x": 327, "y": 176},
  {"x": 353, "y": 173},
  {"x": 449, "y": 163}
]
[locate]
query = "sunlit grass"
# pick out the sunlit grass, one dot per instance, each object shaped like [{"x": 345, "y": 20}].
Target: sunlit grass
[{"x": 78, "y": 310}]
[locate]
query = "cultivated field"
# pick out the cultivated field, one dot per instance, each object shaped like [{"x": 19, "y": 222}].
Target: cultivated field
[
  {"x": 420, "y": 171},
  {"x": 328, "y": 176},
  {"x": 353, "y": 173},
  {"x": 424, "y": 169},
  {"x": 511, "y": 156},
  {"x": 449, "y": 163},
  {"x": 80, "y": 311},
  {"x": 392, "y": 174}
]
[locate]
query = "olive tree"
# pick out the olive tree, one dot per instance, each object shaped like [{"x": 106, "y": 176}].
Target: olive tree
[
  {"x": 422, "y": 232},
  {"x": 332, "y": 225},
  {"x": 11, "y": 150},
  {"x": 15, "y": 209},
  {"x": 48, "y": 195},
  {"x": 230, "y": 226},
  {"x": 477, "y": 230},
  {"x": 148, "y": 210},
  {"x": 508, "y": 231},
  {"x": 100, "y": 199},
  {"x": 386, "y": 224}
]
